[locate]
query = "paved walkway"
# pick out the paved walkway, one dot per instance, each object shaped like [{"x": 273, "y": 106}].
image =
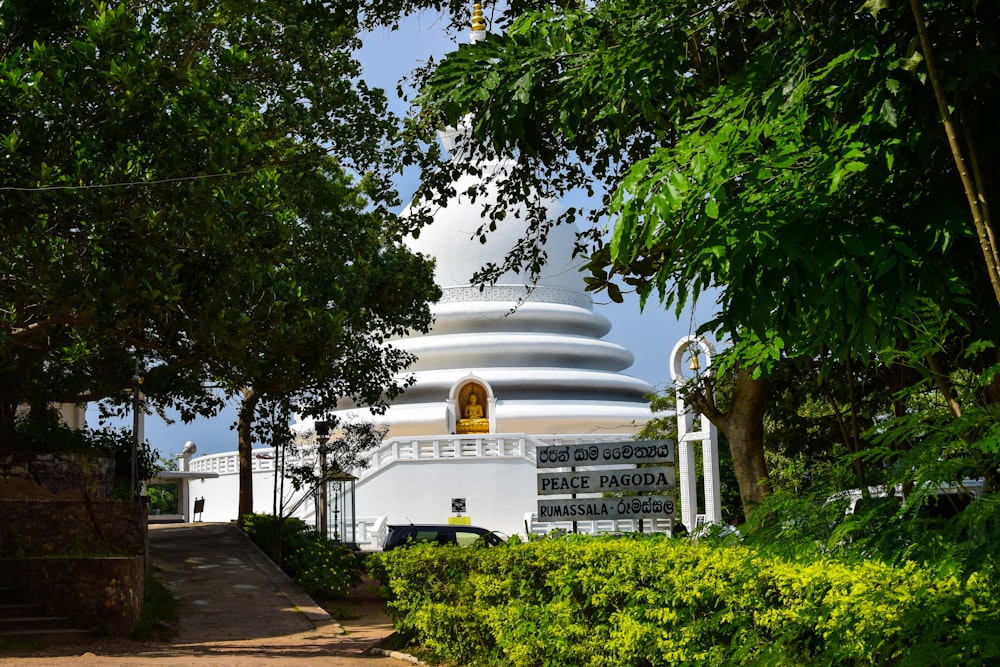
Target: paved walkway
[{"x": 236, "y": 608}]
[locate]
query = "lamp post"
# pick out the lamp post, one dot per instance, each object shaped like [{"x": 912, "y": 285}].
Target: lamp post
[
  {"x": 137, "y": 432},
  {"x": 322, "y": 433},
  {"x": 337, "y": 487}
]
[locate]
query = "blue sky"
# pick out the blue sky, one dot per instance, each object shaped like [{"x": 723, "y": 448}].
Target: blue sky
[{"x": 387, "y": 56}]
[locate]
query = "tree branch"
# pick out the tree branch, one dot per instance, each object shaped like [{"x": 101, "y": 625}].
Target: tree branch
[
  {"x": 974, "y": 195},
  {"x": 944, "y": 384}
]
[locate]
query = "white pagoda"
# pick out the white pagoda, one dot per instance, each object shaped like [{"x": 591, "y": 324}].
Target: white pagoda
[{"x": 505, "y": 368}]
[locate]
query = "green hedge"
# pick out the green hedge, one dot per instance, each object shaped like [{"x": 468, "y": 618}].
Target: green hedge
[
  {"x": 655, "y": 601},
  {"x": 321, "y": 567}
]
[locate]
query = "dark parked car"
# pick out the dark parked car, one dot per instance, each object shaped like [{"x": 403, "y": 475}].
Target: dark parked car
[{"x": 463, "y": 536}]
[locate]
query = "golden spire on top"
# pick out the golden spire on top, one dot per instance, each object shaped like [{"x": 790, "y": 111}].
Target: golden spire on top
[{"x": 478, "y": 22}]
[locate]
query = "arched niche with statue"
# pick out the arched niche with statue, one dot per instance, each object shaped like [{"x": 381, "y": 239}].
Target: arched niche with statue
[{"x": 471, "y": 407}]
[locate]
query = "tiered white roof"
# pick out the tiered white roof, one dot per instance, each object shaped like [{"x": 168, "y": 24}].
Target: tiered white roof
[{"x": 537, "y": 348}]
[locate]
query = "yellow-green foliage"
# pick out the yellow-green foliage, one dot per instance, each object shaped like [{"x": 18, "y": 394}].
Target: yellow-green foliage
[
  {"x": 321, "y": 567},
  {"x": 653, "y": 601}
]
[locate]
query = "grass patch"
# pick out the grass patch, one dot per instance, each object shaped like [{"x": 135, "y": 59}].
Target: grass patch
[{"x": 158, "y": 619}]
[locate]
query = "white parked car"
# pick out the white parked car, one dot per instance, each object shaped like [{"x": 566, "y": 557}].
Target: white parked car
[{"x": 947, "y": 501}]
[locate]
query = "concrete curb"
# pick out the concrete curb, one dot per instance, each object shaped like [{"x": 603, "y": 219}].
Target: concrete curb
[{"x": 398, "y": 655}]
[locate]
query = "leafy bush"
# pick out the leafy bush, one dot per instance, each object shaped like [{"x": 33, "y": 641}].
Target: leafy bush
[
  {"x": 889, "y": 529},
  {"x": 50, "y": 436},
  {"x": 321, "y": 567},
  {"x": 656, "y": 601}
]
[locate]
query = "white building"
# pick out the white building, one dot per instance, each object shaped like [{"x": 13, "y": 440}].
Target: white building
[
  {"x": 530, "y": 356},
  {"x": 534, "y": 357}
]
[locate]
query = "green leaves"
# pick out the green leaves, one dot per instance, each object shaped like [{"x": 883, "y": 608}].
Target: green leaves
[
  {"x": 171, "y": 196},
  {"x": 649, "y": 600},
  {"x": 788, "y": 156},
  {"x": 712, "y": 208}
]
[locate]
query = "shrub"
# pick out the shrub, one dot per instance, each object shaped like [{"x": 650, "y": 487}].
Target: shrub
[
  {"x": 656, "y": 601},
  {"x": 321, "y": 567},
  {"x": 50, "y": 436},
  {"x": 887, "y": 529}
]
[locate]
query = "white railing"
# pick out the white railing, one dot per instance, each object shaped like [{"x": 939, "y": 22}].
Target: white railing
[
  {"x": 436, "y": 448},
  {"x": 423, "y": 448},
  {"x": 229, "y": 462},
  {"x": 467, "y": 447},
  {"x": 596, "y": 527},
  {"x": 517, "y": 293},
  {"x": 370, "y": 532}
]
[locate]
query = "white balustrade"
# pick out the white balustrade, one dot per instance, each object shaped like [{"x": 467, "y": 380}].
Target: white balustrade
[
  {"x": 541, "y": 528},
  {"x": 370, "y": 532},
  {"x": 429, "y": 448},
  {"x": 464, "y": 447}
]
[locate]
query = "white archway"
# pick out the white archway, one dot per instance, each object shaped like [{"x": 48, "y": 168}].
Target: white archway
[{"x": 692, "y": 428}]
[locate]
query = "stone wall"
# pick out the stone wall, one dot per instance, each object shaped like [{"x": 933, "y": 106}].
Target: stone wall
[
  {"x": 82, "y": 559},
  {"x": 53, "y": 527},
  {"x": 103, "y": 595},
  {"x": 63, "y": 473}
]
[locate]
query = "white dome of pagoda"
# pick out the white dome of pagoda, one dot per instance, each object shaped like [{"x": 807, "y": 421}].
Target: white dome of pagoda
[
  {"x": 532, "y": 352},
  {"x": 453, "y": 240}
]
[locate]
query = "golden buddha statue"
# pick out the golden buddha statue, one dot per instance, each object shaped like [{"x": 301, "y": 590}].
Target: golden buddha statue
[{"x": 473, "y": 416}]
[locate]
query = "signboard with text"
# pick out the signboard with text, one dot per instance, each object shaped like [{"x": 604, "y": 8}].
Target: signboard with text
[
  {"x": 589, "y": 509},
  {"x": 608, "y": 480},
  {"x": 606, "y": 470},
  {"x": 605, "y": 453}
]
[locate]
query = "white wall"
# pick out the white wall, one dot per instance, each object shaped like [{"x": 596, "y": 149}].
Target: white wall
[
  {"x": 498, "y": 492},
  {"x": 222, "y": 496}
]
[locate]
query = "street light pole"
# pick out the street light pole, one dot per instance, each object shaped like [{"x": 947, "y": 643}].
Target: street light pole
[
  {"x": 336, "y": 510},
  {"x": 136, "y": 434},
  {"x": 322, "y": 433}
]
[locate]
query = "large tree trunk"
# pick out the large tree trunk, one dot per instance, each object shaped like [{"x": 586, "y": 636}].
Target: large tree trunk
[
  {"x": 743, "y": 425},
  {"x": 247, "y": 409}
]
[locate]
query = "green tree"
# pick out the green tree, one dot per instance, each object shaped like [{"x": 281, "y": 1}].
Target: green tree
[
  {"x": 304, "y": 462},
  {"x": 203, "y": 186},
  {"x": 163, "y": 497},
  {"x": 790, "y": 154}
]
